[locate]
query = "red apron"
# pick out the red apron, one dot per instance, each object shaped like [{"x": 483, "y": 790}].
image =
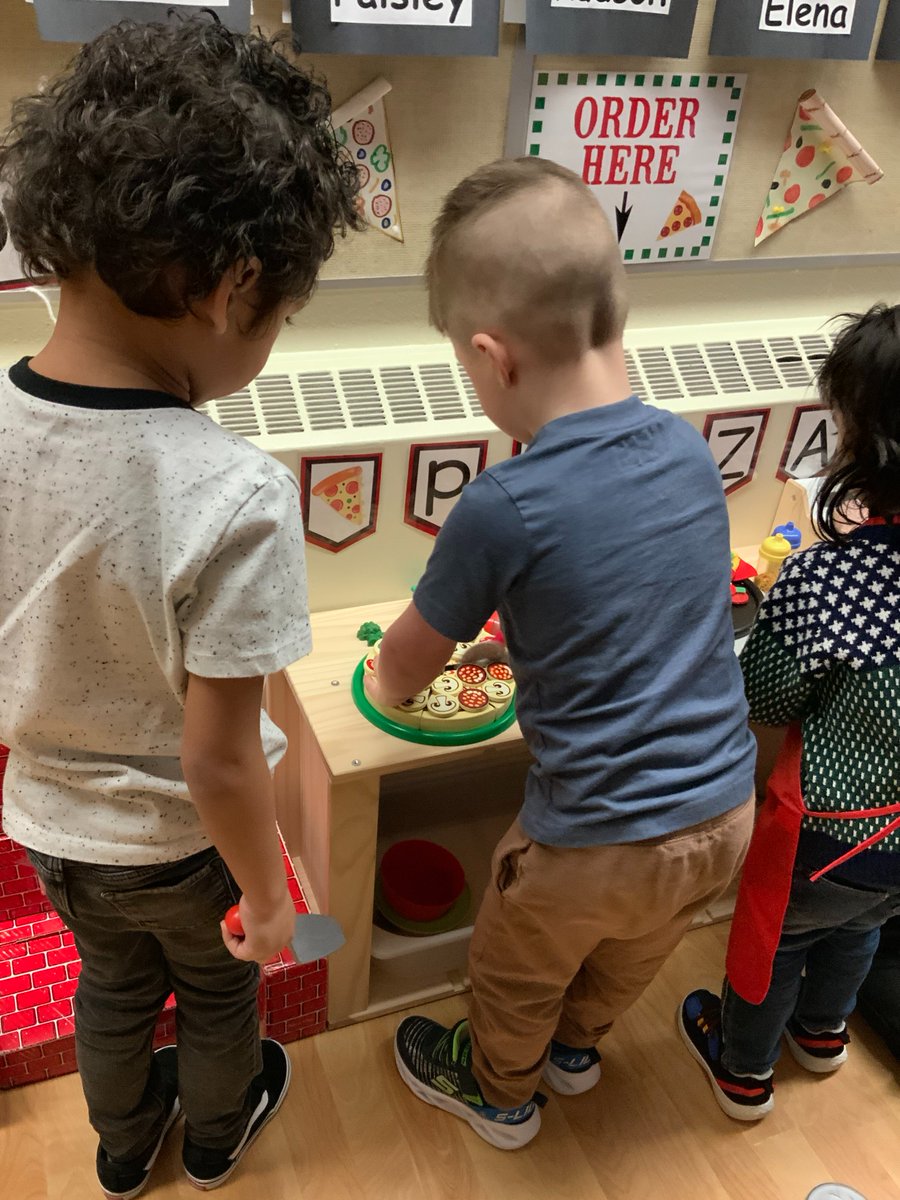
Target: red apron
[{"x": 766, "y": 880}]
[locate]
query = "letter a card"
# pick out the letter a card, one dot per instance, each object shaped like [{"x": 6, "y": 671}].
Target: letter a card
[{"x": 654, "y": 149}]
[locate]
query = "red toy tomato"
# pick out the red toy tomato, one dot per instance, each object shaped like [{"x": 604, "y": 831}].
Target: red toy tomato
[
  {"x": 233, "y": 922},
  {"x": 492, "y": 624}
]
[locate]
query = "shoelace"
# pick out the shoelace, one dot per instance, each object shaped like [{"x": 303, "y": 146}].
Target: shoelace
[{"x": 709, "y": 1021}]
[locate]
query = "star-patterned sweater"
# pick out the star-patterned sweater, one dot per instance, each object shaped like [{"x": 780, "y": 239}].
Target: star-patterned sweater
[{"x": 825, "y": 650}]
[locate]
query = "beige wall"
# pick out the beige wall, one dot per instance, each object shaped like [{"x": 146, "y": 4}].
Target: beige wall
[{"x": 449, "y": 114}]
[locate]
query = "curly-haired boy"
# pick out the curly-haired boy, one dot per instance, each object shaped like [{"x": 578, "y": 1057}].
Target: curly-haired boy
[{"x": 184, "y": 186}]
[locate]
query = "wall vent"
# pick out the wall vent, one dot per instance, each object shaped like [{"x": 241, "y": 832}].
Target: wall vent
[{"x": 352, "y": 397}]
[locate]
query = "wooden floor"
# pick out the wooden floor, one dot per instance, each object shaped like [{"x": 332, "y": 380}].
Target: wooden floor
[{"x": 350, "y": 1130}]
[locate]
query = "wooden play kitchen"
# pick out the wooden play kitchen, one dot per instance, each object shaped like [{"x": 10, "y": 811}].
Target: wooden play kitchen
[{"x": 346, "y": 791}]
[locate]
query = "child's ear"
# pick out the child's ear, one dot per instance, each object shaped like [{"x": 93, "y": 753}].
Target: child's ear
[
  {"x": 497, "y": 356},
  {"x": 236, "y": 285}
]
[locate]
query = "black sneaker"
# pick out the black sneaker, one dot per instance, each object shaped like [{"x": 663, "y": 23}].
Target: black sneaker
[
  {"x": 205, "y": 1168},
  {"x": 818, "y": 1052},
  {"x": 435, "y": 1064},
  {"x": 123, "y": 1179},
  {"x": 571, "y": 1071},
  {"x": 744, "y": 1097}
]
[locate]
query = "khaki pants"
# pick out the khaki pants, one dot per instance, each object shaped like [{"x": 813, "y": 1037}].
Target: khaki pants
[{"x": 567, "y": 939}]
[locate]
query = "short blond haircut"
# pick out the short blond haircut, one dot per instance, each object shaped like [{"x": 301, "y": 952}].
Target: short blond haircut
[{"x": 522, "y": 246}]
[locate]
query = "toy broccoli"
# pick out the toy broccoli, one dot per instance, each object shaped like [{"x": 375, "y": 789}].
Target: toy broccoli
[{"x": 370, "y": 632}]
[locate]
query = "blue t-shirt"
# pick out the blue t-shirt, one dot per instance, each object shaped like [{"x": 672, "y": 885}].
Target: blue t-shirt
[{"x": 605, "y": 548}]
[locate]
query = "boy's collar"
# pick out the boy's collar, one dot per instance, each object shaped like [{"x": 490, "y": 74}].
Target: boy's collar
[{"x": 80, "y": 396}]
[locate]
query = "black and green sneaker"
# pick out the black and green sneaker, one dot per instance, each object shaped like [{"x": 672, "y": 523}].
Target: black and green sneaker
[{"x": 435, "y": 1064}]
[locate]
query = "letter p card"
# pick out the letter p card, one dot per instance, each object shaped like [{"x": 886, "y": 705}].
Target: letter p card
[{"x": 438, "y": 472}]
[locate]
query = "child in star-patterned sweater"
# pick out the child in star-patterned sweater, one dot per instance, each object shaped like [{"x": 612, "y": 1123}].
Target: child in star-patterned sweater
[{"x": 823, "y": 872}]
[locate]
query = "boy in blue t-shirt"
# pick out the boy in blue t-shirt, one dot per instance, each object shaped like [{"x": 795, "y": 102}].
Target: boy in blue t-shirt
[
  {"x": 605, "y": 549},
  {"x": 184, "y": 185}
]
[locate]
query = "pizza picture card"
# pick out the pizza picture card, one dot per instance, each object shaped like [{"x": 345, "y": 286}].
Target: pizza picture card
[
  {"x": 821, "y": 157},
  {"x": 360, "y": 125},
  {"x": 340, "y": 499}
]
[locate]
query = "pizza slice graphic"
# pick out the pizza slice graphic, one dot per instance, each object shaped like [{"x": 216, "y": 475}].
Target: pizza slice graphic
[
  {"x": 821, "y": 157},
  {"x": 342, "y": 491},
  {"x": 685, "y": 214}
]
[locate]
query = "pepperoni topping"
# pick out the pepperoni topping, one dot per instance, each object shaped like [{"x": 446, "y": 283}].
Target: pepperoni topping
[
  {"x": 337, "y": 505},
  {"x": 499, "y": 671},
  {"x": 381, "y": 206},
  {"x": 688, "y": 222},
  {"x": 805, "y": 156},
  {"x": 363, "y": 132},
  {"x": 759, "y": 226},
  {"x": 792, "y": 194},
  {"x": 472, "y": 673},
  {"x": 817, "y": 199},
  {"x": 678, "y": 210},
  {"x": 844, "y": 174},
  {"x": 665, "y": 231},
  {"x": 472, "y": 698},
  {"x": 676, "y": 225}
]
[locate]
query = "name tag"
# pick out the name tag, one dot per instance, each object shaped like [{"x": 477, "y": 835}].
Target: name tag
[
  {"x": 660, "y": 8},
  {"x": 807, "y": 16},
  {"x": 454, "y": 13}
]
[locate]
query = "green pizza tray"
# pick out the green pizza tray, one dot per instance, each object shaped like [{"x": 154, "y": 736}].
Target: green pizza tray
[{"x": 425, "y": 737}]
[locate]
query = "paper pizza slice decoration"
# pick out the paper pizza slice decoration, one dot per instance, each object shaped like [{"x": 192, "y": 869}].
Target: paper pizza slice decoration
[
  {"x": 341, "y": 491},
  {"x": 685, "y": 214},
  {"x": 821, "y": 157},
  {"x": 360, "y": 125}
]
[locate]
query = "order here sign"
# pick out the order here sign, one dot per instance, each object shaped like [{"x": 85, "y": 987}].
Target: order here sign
[{"x": 655, "y": 149}]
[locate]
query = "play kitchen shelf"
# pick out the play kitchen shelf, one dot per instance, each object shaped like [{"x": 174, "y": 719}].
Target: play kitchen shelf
[{"x": 346, "y": 790}]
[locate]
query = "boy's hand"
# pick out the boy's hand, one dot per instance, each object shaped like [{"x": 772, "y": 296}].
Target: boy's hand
[
  {"x": 266, "y": 930},
  {"x": 376, "y": 694}
]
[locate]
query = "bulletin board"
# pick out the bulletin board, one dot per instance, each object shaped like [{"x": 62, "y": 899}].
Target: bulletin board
[{"x": 448, "y": 115}]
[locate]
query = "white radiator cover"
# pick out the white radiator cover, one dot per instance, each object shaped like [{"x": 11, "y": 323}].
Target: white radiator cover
[{"x": 386, "y": 398}]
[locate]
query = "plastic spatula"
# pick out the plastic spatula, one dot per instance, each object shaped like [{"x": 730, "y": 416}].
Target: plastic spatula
[{"x": 315, "y": 935}]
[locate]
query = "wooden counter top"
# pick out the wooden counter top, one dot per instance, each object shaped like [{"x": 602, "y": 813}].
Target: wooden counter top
[{"x": 321, "y": 684}]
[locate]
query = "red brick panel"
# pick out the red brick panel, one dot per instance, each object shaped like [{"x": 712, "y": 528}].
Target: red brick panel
[{"x": 39, "y": 968}]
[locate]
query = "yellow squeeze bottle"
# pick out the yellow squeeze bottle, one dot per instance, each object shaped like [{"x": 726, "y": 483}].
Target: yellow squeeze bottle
[{"x": 772, "y": 553}]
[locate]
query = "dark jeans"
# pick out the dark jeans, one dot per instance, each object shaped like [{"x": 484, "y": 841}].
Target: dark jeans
[
  {"x": 830, "y": 935},
  {"x": 143, "y": 932}
]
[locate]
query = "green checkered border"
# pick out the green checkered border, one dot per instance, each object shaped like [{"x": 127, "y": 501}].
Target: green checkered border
[{"x": 550, "y": 79}]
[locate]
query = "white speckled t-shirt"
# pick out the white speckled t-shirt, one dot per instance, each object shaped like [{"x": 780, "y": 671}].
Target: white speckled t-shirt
[{"x": 139, "y": 541}]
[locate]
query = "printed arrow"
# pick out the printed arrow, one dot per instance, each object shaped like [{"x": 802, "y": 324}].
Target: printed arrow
[{"x": 623, "y": 215}]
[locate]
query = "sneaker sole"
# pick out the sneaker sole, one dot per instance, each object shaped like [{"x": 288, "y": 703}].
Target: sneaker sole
[
  {"x": 136, "y": 1191},
  {"x": 207, "y": 1185},
  {"x": 504, "y": 1137},
  {"x": 570, "y": 1083},
  {"x": 818, "y": 1066},
  {"x": 738, "y": 1112}
]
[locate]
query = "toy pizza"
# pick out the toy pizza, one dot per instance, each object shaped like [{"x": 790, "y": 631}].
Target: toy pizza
[
  {"x": 341, "y": 491},
  {"x": 466, "y": 695},
  {"x": 685, "y": 214}
]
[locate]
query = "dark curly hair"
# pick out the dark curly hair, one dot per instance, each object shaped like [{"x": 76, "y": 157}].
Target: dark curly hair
[
  {"x": 169, "y": 152},
  {"x": 860, "y": 383}
]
